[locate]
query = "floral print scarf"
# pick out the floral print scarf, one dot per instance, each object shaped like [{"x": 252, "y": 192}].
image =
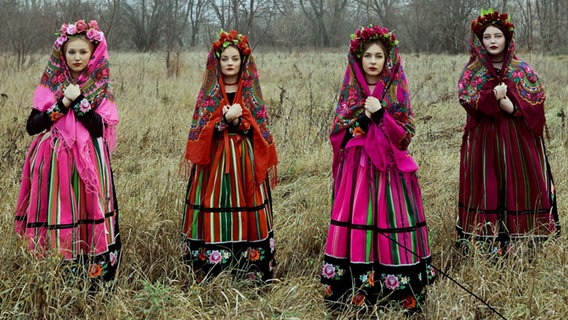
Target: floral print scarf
[
  {"x": 523, "y": 86},
  {"x": 208, "y": 112},
  {"x": 95, "y": 87}
]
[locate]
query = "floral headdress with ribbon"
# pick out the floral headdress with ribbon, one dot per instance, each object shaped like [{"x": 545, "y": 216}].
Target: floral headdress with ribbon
[
  {"x": 364, "y": 34},
  {"x": 232, "y": 37},
  {"x": 489, "y": 17},
  {"x": 90, "y": 30}
]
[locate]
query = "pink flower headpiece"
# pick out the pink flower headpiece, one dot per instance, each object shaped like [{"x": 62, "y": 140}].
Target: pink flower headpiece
[
  {"x": 90, "y": 30},
  {"x": 490, "y": 17},
  {"x": 372, "y": 32},
  {"x": 231, "y": 38}
]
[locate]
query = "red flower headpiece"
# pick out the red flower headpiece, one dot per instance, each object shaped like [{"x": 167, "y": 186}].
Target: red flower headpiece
[
  {"x": 231, "y": 38},
  {"x": 491, "y": 17},
  {"x": 371, "y": 32},
  {"x": 90, "y": 30}
]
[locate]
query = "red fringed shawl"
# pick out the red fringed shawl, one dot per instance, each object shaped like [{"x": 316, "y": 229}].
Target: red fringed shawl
[{"x": 208, "y": 112}]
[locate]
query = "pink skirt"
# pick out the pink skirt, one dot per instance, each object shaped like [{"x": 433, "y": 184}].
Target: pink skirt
[{"x": 377, "y": 244}]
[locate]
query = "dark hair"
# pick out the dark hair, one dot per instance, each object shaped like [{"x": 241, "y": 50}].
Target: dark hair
[
  {"x": 499, "y": 26},
  {"x": 243, "y": 57},
  {"x": 503, "y": 29},
  {"x": 378, "y": 42}
]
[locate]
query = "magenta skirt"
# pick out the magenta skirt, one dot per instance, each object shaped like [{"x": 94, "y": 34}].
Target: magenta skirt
[{"x": 377, "y": 246}]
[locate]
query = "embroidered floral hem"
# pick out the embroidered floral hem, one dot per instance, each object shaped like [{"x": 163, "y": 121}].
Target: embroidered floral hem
[
  {"x": 252, "y": 260},
  {"x": 367, "y": 284}
]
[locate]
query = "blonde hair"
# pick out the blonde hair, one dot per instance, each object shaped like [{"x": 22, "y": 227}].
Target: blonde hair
[{"x": 80, "y": 37}]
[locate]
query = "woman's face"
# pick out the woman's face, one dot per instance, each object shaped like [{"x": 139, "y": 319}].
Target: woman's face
[
  {"x": 77, "y": 55},
  {"x": 373, "y": 60},
  {"x": 494, "y": 41},
  {"x": 230, "y": 61}
]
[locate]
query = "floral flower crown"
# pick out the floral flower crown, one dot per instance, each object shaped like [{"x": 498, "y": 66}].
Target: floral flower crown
[
  {"x": 491, "y": 17},
  {"x": 90, "y": 30},
  {"x": 372, "y": 32},
  {"x": 231, "y": 38}
]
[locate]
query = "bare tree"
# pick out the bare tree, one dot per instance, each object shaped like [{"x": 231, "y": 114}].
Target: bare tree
[
  {"x": 176, "y": 16},
  {"x": 197, "y": 13},
  {"x": 421, "y": 25},
  {"x": 440, "y": 25},
  {"x": 315, "y": 12},
  {"x": 73, "y": 10},
  {"x": 251, "y": 12},
  {"x": 108, "y": 11},
  {"x": 384, "y": 9},
  {"x": 23, "y": 25},
  {"x": 526, "y": 10},
  {"x": 223, "y": 10},
  {"x": 144, "y": 19},
  {"x": 337, "y": 24},
  {"x": 549, "y": 17},
  {"x": 288, "y": 28}
]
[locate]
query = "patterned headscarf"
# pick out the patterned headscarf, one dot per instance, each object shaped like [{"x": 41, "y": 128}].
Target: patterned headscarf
[
  {"x": 391, "y": 90},
  {"x": 95, "y": 87},
  {"x": 523, "y": 86},
  {"x": 208, "y": 111}
]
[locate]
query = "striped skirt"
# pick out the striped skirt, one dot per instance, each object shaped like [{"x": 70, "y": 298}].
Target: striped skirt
[
  {"x": 56, "y": 212},
  {"x": 227, "y": 219},
  {"x": 377, "y": 246},
  {"x": 506, "y": 187}
]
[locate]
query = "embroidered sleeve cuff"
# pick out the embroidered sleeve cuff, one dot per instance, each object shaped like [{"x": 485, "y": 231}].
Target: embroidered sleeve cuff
[
  {"x": 222, "y": 124},
  {"x": 81, "y": 106},
  {"x": 244, "y": 126},
  {"x": 54, "y": 112}
]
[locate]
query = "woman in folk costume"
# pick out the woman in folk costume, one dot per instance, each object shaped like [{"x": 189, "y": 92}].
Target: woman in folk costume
[
  {"x": 377, "y": 246},
  {"x": 67, "y": 200},
  {"x": 227, "y": 220},
  {"x": 506, "y": 190}
]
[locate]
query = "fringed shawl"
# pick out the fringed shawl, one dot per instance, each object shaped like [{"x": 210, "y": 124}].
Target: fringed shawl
[
  {"x": 208, "y": 111},
  {"x": 478, "y": 79},
  {"x": 397, "y": 125},
  {"x": 95, "y": 87}
]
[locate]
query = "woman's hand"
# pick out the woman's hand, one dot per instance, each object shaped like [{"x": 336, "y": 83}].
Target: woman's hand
[
  {"x": 233, "y": 113},
  {"x": 70, "y": 94},
  {"x": 506, "y": 105},
  {"x": 500, "y": 91},
  {"x": 372, "y": 105}
]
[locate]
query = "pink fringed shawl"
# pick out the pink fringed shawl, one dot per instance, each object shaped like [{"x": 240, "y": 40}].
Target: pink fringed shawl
[
  {"x": 395, "y": 131},
  {"x": 95, "y": 86}
]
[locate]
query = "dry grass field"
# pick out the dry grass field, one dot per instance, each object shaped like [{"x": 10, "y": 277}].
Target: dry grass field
[{"x": 300, "y": 90}]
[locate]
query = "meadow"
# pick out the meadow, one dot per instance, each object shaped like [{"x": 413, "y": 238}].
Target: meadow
[{"x": 300, "y": 89}]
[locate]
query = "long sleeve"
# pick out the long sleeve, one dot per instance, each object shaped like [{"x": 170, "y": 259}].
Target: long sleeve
[
  {"x": 91, "y": 120},
  {"x": 37, "y": 122},
  {"x": 93, "y": 123}
]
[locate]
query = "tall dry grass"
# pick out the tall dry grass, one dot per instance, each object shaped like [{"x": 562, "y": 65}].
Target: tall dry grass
[{"x": 300, "y": 90}]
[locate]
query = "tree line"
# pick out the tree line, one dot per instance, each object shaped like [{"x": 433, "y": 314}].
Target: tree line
[{"x": 174, "y": 26}]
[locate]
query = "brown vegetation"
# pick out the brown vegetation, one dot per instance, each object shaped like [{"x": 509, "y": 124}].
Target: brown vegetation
[{"x": 300, "y": 90}]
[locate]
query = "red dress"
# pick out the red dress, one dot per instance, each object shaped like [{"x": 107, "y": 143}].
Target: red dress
[{"x": 506, "y": 189}]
